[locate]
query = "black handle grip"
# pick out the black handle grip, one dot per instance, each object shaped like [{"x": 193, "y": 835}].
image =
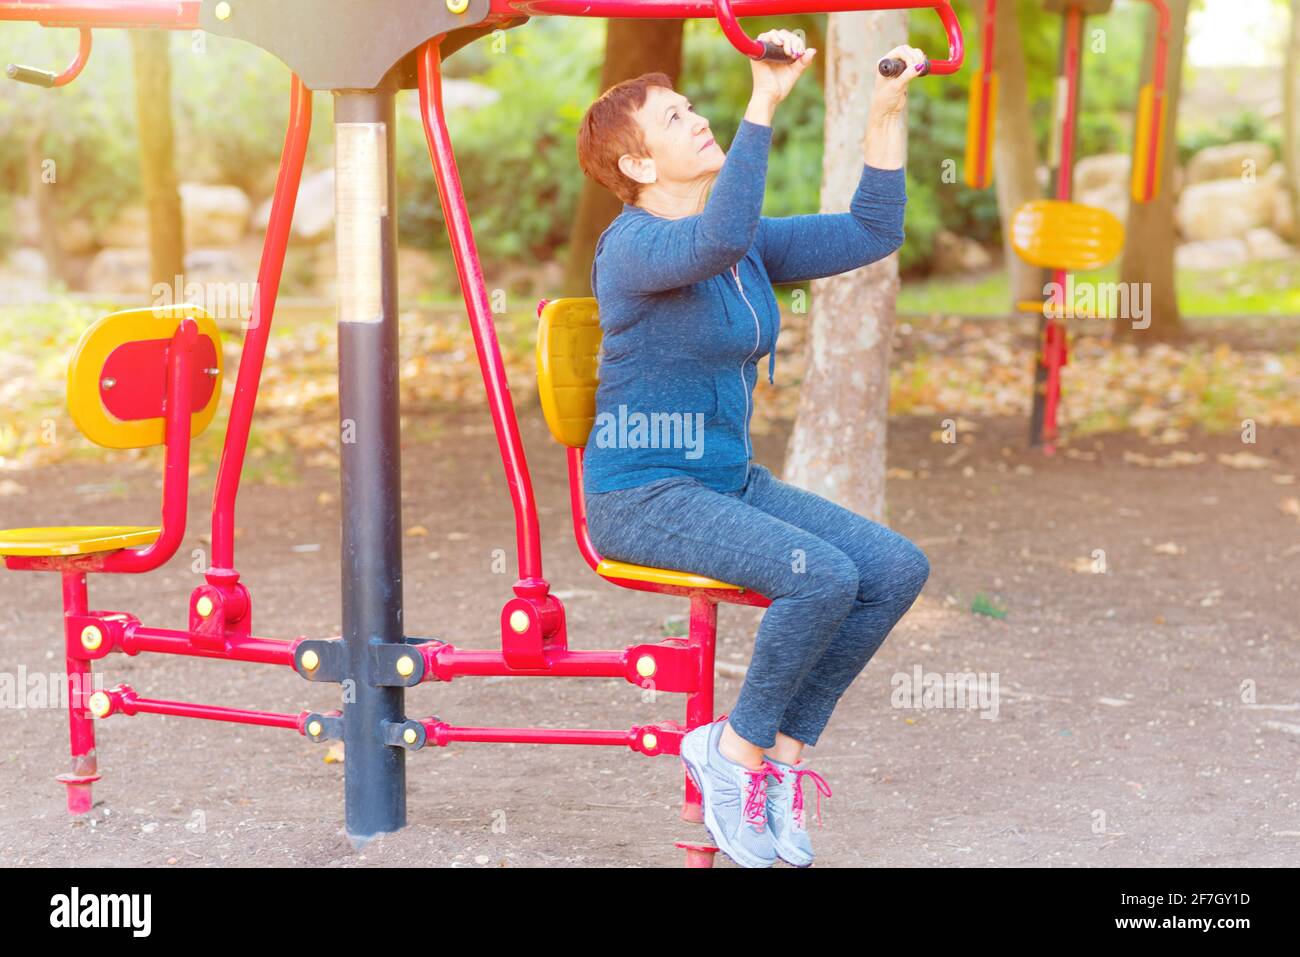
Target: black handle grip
[
  {"x": 27, "y": 74},
  {"x": 775, "y": 52},
  {"x": 893, "y": 66}
]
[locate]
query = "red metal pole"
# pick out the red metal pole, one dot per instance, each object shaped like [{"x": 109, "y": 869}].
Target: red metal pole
[
  {"x": 81, "y": 729},
  {"x": 259, "y": 329},
  {"x": 470, "y": 271}
]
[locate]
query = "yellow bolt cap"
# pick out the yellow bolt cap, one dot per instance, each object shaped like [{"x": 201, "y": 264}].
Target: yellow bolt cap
[
  {"x": 100, "y": 704},
  {"x": 91, "y": 637},
  {"x": 203, "y": 606},
  {"x": 645, "y": 666},
  {"x": 649, "y": 741},
  {"x": 519, "y": 620},
  {"x": 222, "y": 11},
  {"x": 314, "y": 729},
  {"x": 409, "y": 736},
  {"x": 310, "y": 660},
  {"x": 406, "y": 666}
]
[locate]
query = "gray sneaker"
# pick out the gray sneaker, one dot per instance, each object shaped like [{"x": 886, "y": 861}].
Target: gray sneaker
[
  {"x": 785, "y": 812},
  {"x": 734, "y": 797}
]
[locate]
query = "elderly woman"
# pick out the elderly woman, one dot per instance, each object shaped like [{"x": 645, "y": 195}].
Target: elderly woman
[{"x": 683, "y": 277}]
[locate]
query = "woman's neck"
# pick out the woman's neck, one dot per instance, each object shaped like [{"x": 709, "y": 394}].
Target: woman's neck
[{"x": 676, "y": 200}]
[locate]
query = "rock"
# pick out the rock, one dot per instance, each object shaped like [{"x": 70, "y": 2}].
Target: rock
[
  {"x": 957, "y": 254},
  {"x": 1230, "y": 161},
  {"x": 120, "y": 271},
  {"x": 28, "y": 264},
  {"x": 77, "y": 238},
  {"x": 313, "y": 213},
  {"x": 1113, "y": 198},
  {"x": 1266, "y": 244},
  {"x": 214, "y": 215},
  {"x": 1101, "y": 171},
  {"x": 221, "y": 281},
  {"x": 1225, "y": 208},
  {"x": 24, "y": 277},
  {"x": 128, "y": 229},
  {"x": 1211, "y": 254},
  {"x": 26, "y": 231}
]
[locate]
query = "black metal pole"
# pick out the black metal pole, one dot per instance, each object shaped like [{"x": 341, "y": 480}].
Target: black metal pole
[{"x": 370, "y": 461}]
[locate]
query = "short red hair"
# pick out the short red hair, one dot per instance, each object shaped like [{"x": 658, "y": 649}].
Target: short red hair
[{"x": 609, "y": 130}]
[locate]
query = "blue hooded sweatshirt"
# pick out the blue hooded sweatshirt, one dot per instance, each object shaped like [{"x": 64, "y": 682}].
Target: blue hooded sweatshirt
[{"x": 687, "y": 310}]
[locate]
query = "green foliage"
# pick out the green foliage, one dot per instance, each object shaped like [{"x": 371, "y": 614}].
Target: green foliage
[
  {"x": 517, "y": 157},
  {"x": 982, "y": 604},
  {"x": 1244, "y": 126}
]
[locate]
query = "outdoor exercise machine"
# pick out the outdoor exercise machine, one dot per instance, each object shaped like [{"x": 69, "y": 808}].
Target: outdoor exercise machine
[
  {"x": 1058, "y": 234},
  {"x": 145, "y": 377}
]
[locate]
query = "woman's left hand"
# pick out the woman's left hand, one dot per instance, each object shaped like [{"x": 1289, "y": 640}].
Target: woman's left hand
[{"x": 890, "y": 94}]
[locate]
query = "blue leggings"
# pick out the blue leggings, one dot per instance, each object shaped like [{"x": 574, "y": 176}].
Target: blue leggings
[{"x": 838, "y": 583}]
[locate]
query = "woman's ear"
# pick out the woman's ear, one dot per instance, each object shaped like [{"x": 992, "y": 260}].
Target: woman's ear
[{"x": 640, "y": 169}]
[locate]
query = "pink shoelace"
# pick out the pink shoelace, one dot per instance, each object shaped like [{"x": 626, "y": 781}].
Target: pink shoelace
[
  {"x": 797, "y": 784},
  {"x": 756, "y": 794}
]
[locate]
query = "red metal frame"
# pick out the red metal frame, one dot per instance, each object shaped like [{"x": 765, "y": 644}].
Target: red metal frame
[
  {"x": 1054, "y": 351},
  {"x": 220, "y": 610}
]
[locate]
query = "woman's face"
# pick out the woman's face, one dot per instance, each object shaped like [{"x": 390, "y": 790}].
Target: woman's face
[{"x": 679, "y": 140}]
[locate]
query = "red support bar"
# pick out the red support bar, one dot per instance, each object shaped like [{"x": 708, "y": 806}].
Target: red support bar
[
  {"x": 171, "y": 14},
  {"x": 729, "y": 12},
  {"x": 469, "y": 269},
  {"x": 124, "y": 700},
  {"x": 176, "y": 472},
  {"x": 266, "y": 651},
  {"x": 259, "y": 327},
  {"x": 662, "y": 738}
]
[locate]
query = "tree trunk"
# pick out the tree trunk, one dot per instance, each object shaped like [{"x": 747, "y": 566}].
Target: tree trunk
[
  {"x": 632, "y": 47},
  {"x": 153, "y": 101},
  {"x": 1015, "y": 158},
  {"x": 837, "y": 448},
  {"x": 1291, "y": 110},
  {"x": 44, "y": 203},
  {"x": 1150, "y": 234}
]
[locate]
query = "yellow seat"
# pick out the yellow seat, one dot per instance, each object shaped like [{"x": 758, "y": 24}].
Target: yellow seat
[
  {"x": 78, "y": 540},
  {"x": 608, "y": 568},
  {"x": 124, "y": 352},
  {"x": 568, "y": 351},
  {"x": 1036, "y": 306},
  {"x": 1056, "y": 234}
]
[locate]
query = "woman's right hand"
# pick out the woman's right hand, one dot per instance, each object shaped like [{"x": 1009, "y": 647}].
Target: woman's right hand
[{"x": 774, "y": 80}]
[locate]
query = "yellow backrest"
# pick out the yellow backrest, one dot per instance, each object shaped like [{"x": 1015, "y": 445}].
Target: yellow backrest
[
  {"x": 1056, "y": 234},
  {"x": 1149, "y": 143},
  {"x": 117, "y": 375},
  {"x": 568, "y": 355},
  {"x": 981, "y": 117}
]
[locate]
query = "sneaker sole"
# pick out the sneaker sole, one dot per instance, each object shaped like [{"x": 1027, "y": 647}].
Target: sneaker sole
[{"x": 711, "y": 821}]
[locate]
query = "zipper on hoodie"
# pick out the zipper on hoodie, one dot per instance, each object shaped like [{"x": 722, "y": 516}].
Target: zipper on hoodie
[{"x": 758, "y": 335}]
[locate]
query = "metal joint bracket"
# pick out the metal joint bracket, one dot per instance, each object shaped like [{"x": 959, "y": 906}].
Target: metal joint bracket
[
  {"x": 323, "y": 727},
  {"x": 404, "y": 734},
  {"x": 398, "y": 665},
  {"x": 321, "y": 659}
]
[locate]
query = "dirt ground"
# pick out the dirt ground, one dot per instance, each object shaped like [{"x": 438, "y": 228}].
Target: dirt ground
[{"x": 1123, "y": 735}]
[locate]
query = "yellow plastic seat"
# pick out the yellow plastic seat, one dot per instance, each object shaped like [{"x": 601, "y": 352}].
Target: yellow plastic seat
[
  {"x": 568, "y": 350},
  {"x": 76, "y": 540},
  {"x": 608, "y": 568},
  {"x": 1056, "y": 234},
  {"x": 124, "y": 352},
  {"x": 1036, "y": 306}
]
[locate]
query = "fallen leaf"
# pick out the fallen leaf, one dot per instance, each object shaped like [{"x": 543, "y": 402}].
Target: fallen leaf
[{"x": 1244, "y": 460}]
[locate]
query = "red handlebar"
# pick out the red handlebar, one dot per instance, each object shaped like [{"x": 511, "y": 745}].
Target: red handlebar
[{"x": 757, "y": 50}]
